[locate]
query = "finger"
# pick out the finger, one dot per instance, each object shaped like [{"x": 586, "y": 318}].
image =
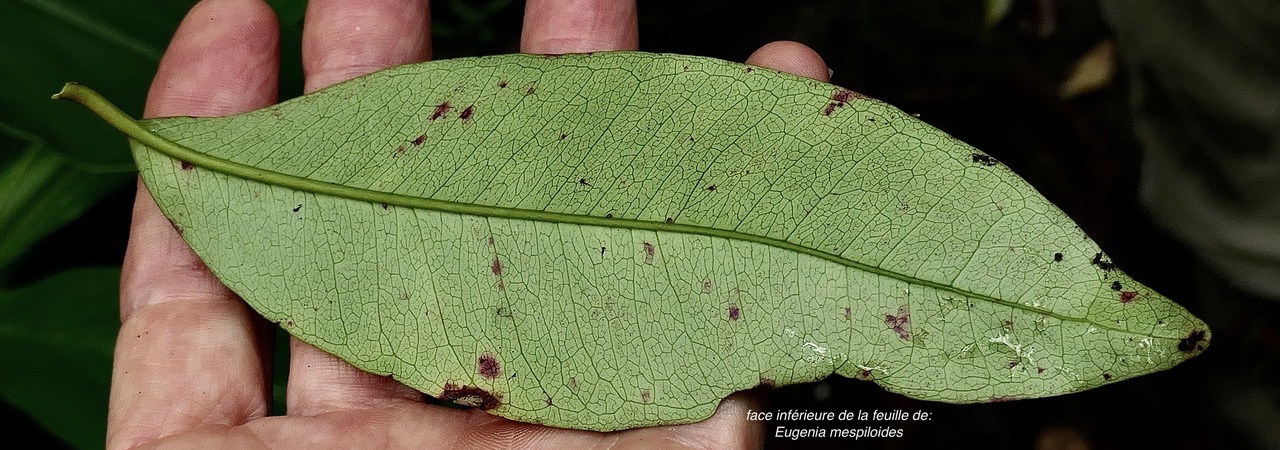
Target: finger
[
  {"x": 188, "y": 355},
  {"x": 343, "y": 39},
  {"x": 792, "y": 57},
  {"x": 416, "y": 425},
  {"x": 574, "y": 26},
  {"x": 320, "y": 383},
  {"x": 728, "y": 428}
]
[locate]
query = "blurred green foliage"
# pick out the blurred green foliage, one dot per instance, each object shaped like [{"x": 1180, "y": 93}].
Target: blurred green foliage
[
  {"x": 56, "y": 162},
  {"x": 56, "y": 337}
]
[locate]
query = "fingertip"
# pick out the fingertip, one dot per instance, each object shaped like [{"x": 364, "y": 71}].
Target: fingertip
[
  {"x": 344, "y": 39},
  {"x": 791, "y": 57},
  {"x": 559, "y": 26},
  {"x": 321, "y": 383},
  {"x": 222, "y": 60}
]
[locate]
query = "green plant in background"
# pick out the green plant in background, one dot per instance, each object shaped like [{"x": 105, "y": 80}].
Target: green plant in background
[
  {"x": 53, "y": 167},
  {"x": 56, "y": 337}
]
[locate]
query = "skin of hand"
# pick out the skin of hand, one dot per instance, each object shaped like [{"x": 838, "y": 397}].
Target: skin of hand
[{"x": 193, "y": 362}]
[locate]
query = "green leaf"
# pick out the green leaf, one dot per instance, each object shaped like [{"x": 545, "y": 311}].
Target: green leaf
[
  {"x": 75, "y": 39},
  {"x": 56, "y": 339},
  {"x": 622, "y": 239},
  {"x": 114, "y": 44},
  {"x": 995, "y": 11},
  {"x": 41, "y": 190},
  {"x": 53, "y": 165}
]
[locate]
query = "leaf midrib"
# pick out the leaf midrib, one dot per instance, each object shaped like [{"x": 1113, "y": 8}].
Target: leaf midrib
[{"x": 150, "y": 139}]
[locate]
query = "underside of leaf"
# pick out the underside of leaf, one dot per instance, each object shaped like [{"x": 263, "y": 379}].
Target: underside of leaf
[{"x": 619, "y": 240}]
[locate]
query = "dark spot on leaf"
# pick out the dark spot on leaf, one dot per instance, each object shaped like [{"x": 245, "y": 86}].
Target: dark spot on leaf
[
  {"x": 873, "y": 119},
  {"x": 297, "y": 208},
  {"x": 489, "y": 240},
  {"x": 1115, "y": 286},
  {"x": 711, "y": 188},
  {"x": 1013, "y": 363},
  {"x": 766, "y": 382},
  {"x": 1105, "y": 265},
  {"x": 671, "y": 220},
  {"x": 602, "y": 251},
  {"x": 900, "y": 322},
  {"x": 467, "y": 112},
  {"x": 187, "y": 166},
  {"x": 706, "y": 285},
  {"x": 502, "y": 84},
  {"x": 440, "y": 111},
  {"x": 573, "y": 384},
  {"x": 844, "y": 95},
  {"x": 848, "y": 313},
  {"x": 470, "y": 396},
  {"x": 488, "y": 366},
  {"x": 831, "y": 108},
  {"x": 1128, "y": 296},
  {"x": 547, "y": 401},
  {"x": 735, "y": 312},
  {"x": 400, "y": 150},
  {"x": 529, "y": 91},
  {"x": 1039, "y": 370},
  {"x": 608, "y": 215},
  {"x": 583, "y": 181},
  {"x": 1057, "y": 257},
  {"x": 646, "y": 396},
  {"x": 1193, "y": 342},
  {"x": 418, "y": 140},
  {"x": 985, "y": 160},
  {"x": 563, "y": 135},
  {"x": 1106, "y": 376},
  {"x": 496, "y": 266},
  {"x": 385, "y": 206},
  {"x": 749, "y": 70},
  {"x": 648, "y": 253}
]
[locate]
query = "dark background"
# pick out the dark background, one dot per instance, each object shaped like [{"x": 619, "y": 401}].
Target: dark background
[{"x": 991, "y": 79}]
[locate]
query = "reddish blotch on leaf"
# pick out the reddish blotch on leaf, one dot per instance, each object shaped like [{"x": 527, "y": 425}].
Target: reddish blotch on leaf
[
  {"x": 488, "y": 366},
  {"x": 900, "y": 323}
]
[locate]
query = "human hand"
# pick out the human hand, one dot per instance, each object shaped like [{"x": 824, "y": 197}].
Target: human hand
[{"x": 192, "y": 363}]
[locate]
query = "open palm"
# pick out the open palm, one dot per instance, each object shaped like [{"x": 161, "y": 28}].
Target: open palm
[{"x": 192, "y": 365}]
